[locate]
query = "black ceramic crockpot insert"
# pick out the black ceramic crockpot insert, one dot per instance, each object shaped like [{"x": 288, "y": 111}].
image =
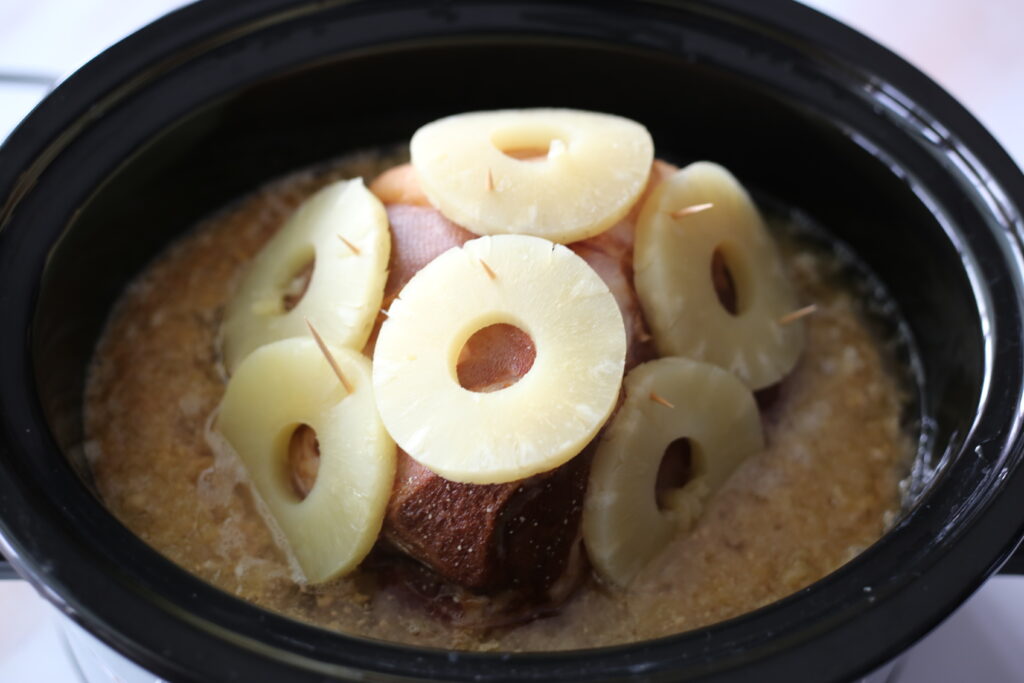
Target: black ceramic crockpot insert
[{"x": 217, "y": 98}]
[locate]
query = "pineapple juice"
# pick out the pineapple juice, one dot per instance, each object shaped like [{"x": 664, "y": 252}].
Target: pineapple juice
[{"x": 826, "y": 486}]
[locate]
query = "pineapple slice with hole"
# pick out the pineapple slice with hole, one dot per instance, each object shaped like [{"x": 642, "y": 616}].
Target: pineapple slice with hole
[
  {"x": 672, "y": 263},
  {"x": 561, "y": 174},
  {"x": 551, "y": 412},
  {"x": 340, "y": 234},
  {"x": 624, "y": 523},
  {"x": 277, "y": 390}
]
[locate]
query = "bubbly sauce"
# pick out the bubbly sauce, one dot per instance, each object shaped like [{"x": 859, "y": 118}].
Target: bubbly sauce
[{"x": 826, "y": 486}]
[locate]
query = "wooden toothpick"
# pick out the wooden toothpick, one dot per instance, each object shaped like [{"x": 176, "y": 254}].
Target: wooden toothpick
[
  {"x": 661, "y": 400},
  {"x": 489, "y": 181},
  {"x": 793, "y": 316},
  {"x": 330, "y": 358},
  {"x": 690, "y": 210},
  {"x": 490, "y": 273},
  {"x": 354, "y": 248}
]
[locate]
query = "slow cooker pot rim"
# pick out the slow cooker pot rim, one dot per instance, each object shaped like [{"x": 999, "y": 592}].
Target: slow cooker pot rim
[{"x": 119, "y": 65}]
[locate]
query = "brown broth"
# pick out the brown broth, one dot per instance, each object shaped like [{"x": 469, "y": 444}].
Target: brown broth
[{"x": 825, "y": 488}]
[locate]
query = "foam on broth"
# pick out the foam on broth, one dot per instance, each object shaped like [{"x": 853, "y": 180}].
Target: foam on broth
[{"x": 826, "y": 487}]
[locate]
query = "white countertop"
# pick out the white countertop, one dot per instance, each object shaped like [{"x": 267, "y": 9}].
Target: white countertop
[{"x": 974, "y": 49}]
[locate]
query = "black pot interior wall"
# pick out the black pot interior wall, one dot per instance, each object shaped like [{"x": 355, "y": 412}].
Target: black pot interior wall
[{"x": 802, "y": 157}]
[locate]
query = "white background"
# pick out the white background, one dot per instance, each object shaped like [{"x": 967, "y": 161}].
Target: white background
[{"x": 973, "y": 48}]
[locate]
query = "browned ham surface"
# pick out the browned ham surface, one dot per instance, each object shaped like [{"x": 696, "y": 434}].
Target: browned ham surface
[
  {"x": 419, "y": 234},
  {"x": 488, "y": 537},
  {"x": 495, "y": 358}
]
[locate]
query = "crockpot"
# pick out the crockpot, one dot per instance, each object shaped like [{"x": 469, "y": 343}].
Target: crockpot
[{"x": 215, "y": 99}]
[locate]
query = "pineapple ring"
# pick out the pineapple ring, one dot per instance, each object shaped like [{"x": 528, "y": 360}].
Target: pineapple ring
[
  {"x": 666, "y": 399},
  {"x": 672, "y": 265},
  {"x": 347, "y": 284},
  {"x": 595, "y": 170},
  {"x": 289, "y": 383},
  {"x": 545, "y": 418}
]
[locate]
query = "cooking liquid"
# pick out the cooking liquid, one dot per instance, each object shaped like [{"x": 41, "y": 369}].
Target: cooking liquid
[{"x": 825, "y": 488}]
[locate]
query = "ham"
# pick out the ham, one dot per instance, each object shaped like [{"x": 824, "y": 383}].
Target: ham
[
  {"x": 489, "y": 537},
  {"x": 482, "y": 537},
  {"x": 419, "y": 234},
  {"x": 519, "y": 538}
]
